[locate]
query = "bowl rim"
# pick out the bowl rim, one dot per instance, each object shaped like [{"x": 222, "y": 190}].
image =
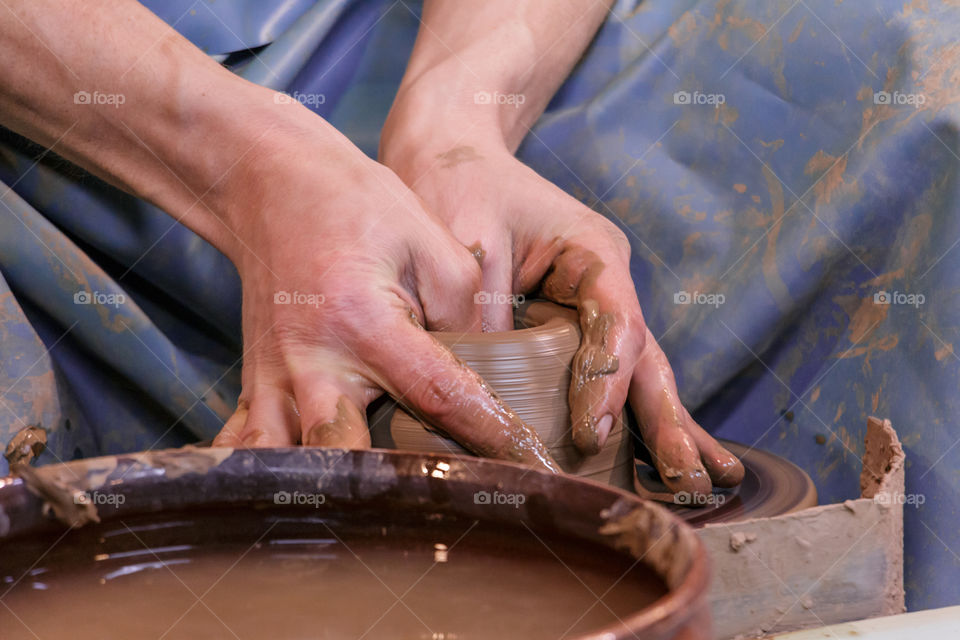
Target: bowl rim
[{"x": 671, "y": 611}]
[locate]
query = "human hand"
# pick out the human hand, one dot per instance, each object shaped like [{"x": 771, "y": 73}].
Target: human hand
[
  {"x": 532, "y": 237},
  {"x": 294, "y": 205},
  {"x": 341, "y": 267}
]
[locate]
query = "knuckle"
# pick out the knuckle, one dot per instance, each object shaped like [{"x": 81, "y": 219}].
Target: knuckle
[
  {"x": 289, "y": 335},
  {"x": 344, "y": 317},
  {"x": 616, "y": 236},
  {"x": 635, "y": 336},
  {"x": 438, "y": 397}
]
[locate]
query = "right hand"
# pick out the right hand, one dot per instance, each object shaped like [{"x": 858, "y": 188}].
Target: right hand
[
  {"x": 535, "y": 239},
  {"x": 341, "y": 268}
]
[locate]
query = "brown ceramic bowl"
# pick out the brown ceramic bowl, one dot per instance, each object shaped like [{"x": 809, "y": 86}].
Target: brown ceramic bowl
[{"x": 374, "y": 487}]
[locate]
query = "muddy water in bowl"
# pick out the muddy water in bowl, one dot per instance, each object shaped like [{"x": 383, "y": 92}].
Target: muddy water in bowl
[
  {"x": 322, "y": 543},
  {"x": 282, "y": 577}
]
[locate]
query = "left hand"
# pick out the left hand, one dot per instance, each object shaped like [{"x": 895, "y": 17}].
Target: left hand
[{"x": 529, "y": 236}]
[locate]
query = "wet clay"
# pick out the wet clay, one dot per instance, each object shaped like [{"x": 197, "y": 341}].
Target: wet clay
[
  {"x": 64, "y": 488},
  {"x": 67, "y": 504},
  {"x": 842, "y": 561},
  {"x": 27, "y": 444},
  {"x": 512, "y": 440},
  {"x": 457, "y": 156},
  {"x": 477, "y": 252},
  {"x": 530, "y": 370},
  {"x": 771, "y": 486},
  {"x": 226, "y": 575},
  {"x": 574, "y": 270},
  {"x": 648, "y": 533},
  {"x": 570, "y": 281},
  {"x": 882, "y": 454},
  {"x": 678, "y": 459},
  {"x": 348, "y": 428},
  {"x": 590, "y": 364}
]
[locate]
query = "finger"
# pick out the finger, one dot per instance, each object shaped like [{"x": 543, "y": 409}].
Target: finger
[
  {"x": 662, "y": 420},
  {"x": 593, "y": 394},
  {"x": 329, "y": 417},
  {"x": 426, "y": 378},
  {"x": 495, "y": 299},
  {"x": 610, "y": 320},
  {"x": 724, "y": 468},
  {"x": 229, "y": 435},
  {"x": 447, "y": 281},
  {"x": 272, "y": 419}
]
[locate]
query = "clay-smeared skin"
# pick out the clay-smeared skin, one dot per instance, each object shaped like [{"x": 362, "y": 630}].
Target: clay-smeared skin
[
  {"x": 477, "y": 252},
  {"x": 377, "y": 278},
  {"x": 687, "y": 457},
  {"x": 539, "y": 241},
  {"x": 531, "y": 370},
  {"x": 498, "y": 431},
  {"x": 592, "y": 361},
  {"x": 457, "y": 153},
  {"x": 574, "y": 271},
  {"x": 347, "y": 430}
]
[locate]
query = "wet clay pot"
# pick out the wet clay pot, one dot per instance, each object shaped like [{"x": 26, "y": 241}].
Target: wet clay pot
[
  {"x": 160, "y": 512},
  {"x": 530, "y": 368}
]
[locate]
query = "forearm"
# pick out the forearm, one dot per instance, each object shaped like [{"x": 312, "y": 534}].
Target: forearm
[
  {"x": 489, "y": 66},
  {"x": 114, "y": 89}
]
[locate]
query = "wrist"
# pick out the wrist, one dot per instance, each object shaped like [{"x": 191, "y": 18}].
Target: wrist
[
  {"x": 507, "y": 61},
  {"x": 443, "y": 117},
  {"x": 235, "y": 161},
  {"x": 199, "y": 147}
]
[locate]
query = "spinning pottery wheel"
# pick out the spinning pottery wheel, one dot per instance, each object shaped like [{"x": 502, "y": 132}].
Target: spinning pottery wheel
[
  {"x": 771, "y": 486},
  {"x": 530, "y": 369}
]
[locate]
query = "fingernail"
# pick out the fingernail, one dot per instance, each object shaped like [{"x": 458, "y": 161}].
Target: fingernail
[{"x": 603, "y": 429}]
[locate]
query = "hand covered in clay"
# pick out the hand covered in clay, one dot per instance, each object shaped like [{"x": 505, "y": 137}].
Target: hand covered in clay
[
  {"x": 340, "y": 264},
  {"x": 479, "y": 76},
  {"x": 532, "y": 238},
  {"x": 341, "y": 267}
]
